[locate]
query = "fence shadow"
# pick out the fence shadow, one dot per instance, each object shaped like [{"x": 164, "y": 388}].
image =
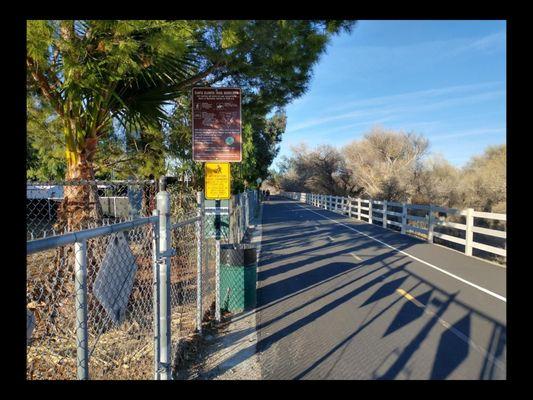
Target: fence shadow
[{"x": 385, "y": 274}]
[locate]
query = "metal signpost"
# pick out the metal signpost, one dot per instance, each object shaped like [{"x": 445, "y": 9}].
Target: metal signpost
[
  {"x": 217, "y": 260},
  {"x": 217, "y": 141}
]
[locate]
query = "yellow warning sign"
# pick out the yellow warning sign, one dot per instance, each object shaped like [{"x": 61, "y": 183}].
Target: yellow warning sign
[{"x": 217, "y": 181}]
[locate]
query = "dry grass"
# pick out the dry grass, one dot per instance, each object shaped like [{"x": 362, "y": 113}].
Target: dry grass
[{"x": 117, "y": 351}]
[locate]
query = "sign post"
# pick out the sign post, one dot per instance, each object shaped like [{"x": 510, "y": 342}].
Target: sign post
[
  {"x": 217, "y": 187},
  {"x": 217, "y": 260},
  {"x": 217, "y": 141}
]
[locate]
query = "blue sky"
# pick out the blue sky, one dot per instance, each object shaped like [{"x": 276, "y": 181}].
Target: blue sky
[{"x": 443, "y": 79}]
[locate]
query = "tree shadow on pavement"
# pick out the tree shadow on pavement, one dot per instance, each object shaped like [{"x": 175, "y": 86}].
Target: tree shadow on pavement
[{"x": 416, "y": 319}]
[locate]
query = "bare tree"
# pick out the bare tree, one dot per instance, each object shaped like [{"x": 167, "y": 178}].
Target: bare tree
[
  {"x": 321, "y": 170},
  {"x": 484, "y": 181},
  {"x": 385, "y": 163},
  {"x": 391, "y": 165},
  {"x": 437, "y": 182}
]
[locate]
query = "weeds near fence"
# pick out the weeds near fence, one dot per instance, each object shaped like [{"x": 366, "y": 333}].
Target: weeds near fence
[{"x": 119, "y": 299}]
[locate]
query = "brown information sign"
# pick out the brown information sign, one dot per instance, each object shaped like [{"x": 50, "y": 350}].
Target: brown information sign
[{"x": 216, "y": 124}]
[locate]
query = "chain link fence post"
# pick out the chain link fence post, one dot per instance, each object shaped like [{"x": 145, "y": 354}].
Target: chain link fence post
[
  {"x": 199, "y": 259},
  {"x": 82, "y": 337},
  {"x": 155, "y": 292},
  {"x": 163, "y": 206}
]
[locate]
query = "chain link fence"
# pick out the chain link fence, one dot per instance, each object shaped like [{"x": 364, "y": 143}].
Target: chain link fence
[
  {"x": 51, "y": 315},
  {"x": 119, "y": 302},
  {"x": 244, "y": 207},
  {"x": 95, "y": 293},
  {"x": 49, "y": 214},
  {"x": 95, "y": 296},
  {"x": 237, "y": 260}
]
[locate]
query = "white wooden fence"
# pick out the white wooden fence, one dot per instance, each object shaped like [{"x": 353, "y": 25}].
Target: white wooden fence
[{"x": 363, "y": 209}]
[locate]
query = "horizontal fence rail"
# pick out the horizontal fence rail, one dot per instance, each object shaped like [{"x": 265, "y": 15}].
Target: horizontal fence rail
[{"x": 421, "y": 220}]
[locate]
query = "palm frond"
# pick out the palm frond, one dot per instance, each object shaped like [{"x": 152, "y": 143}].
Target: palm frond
[{"x": 141, "y": 99}]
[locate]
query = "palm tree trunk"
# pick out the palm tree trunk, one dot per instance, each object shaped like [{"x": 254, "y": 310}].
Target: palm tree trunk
[{"x": 80, "y": 208}]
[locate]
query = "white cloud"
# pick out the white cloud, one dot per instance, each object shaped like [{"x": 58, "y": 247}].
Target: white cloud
[
  {"x": 416, "y": 95},
  {"x": 390, "y": 108},
  {"x": 487, "y": 44},
  {"x": 469, "y": 132}
]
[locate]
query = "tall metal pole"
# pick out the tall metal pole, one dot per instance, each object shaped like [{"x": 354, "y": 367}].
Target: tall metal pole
[
  {"x": 82, "y": 337},
  {"x": 217, "y": 260},
  {"x": 155, "y": 284},
  {"x": 199, "y": 260},
  {"x": 163, "y": 206}
]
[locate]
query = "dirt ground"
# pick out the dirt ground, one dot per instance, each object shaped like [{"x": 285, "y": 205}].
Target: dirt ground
[{"x": 227, "y": 351}]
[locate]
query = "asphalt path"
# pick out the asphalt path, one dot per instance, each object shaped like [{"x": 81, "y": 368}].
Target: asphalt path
[{"x": 344, "y": 299}]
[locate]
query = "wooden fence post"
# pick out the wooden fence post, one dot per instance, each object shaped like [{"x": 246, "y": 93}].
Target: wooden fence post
[
  {"x": 469, "y": 232},
  {"x": 404, "y": 217},
  {"x": 430, "y": 224},
  {"x": 359, "y": 208},
  {"x": 384, "y": 213},
  {"x": 369, "y": 211}
]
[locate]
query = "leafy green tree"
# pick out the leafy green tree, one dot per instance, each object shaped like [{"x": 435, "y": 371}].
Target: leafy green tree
[
  {"x": 44, "y": 142},
  {"x": 94, "y": 72},
  {"x": 271, "y": 61}
]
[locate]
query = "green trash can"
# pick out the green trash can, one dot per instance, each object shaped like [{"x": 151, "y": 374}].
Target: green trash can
[{"x": 238, "y": 277}]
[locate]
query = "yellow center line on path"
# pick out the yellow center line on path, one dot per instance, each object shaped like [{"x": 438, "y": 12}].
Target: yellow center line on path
[
  {"x": 449, "y": 326},
  {"x": 356, "y": 256},
  {"x": 496, "y": 295},
  {"x": 409, "y": 297}
]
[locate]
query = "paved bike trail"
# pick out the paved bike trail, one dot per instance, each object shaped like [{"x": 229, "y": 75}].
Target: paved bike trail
[{"x": 343, "y": 299}]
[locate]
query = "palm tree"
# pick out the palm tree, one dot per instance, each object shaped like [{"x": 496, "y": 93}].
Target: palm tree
[{"x": 97, "y": 72}]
